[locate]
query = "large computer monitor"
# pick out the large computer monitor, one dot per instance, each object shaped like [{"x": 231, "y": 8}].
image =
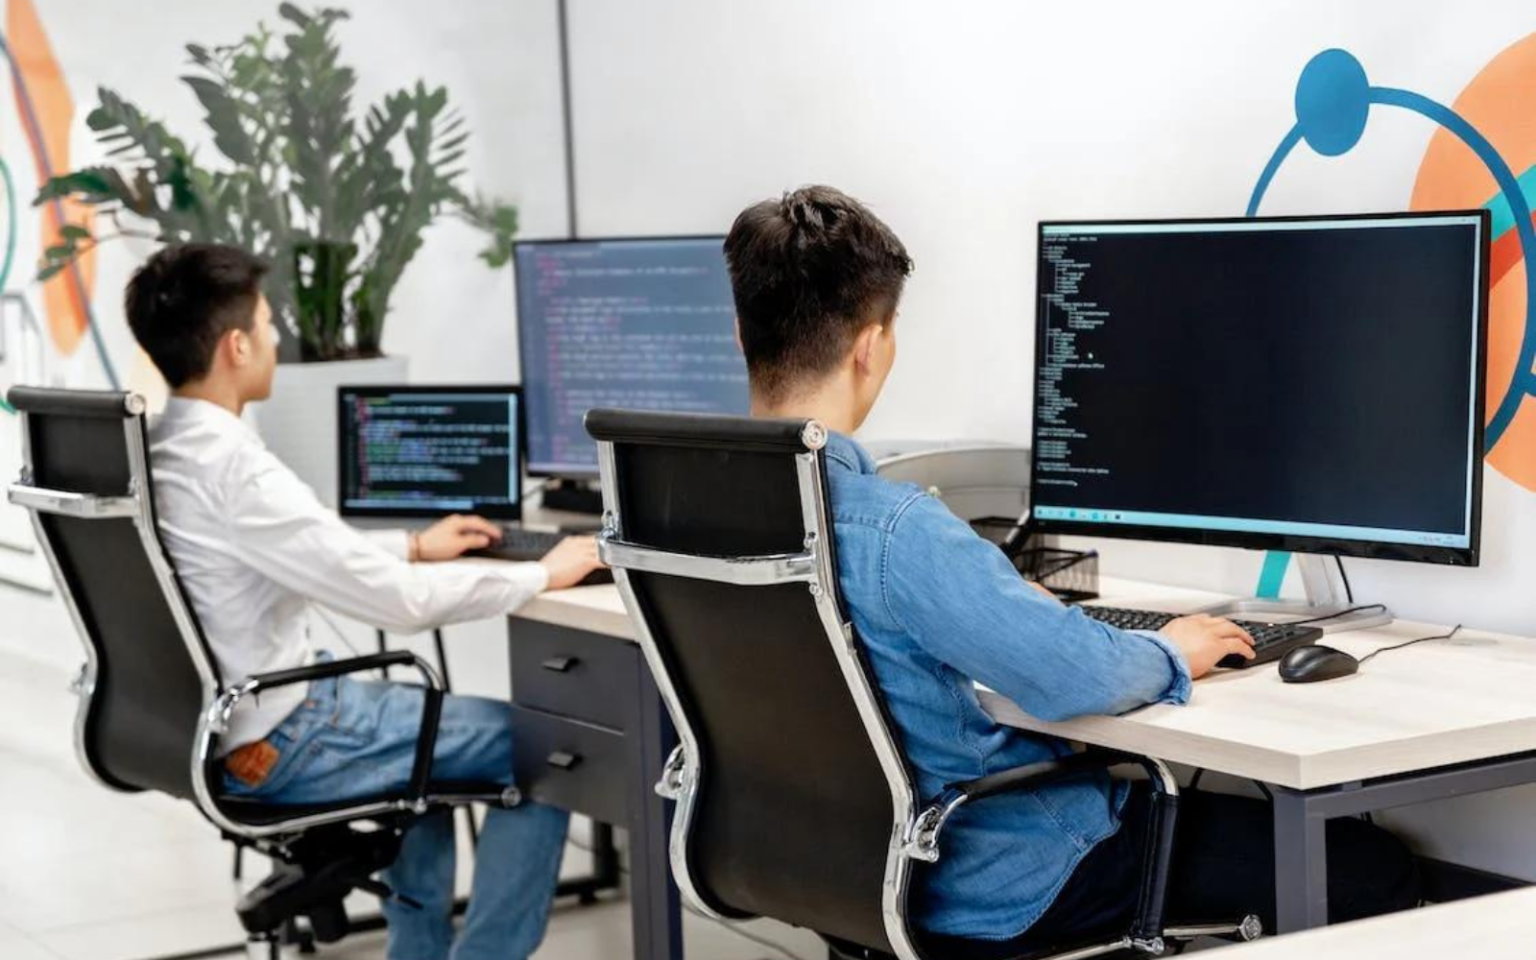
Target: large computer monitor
[
  {"x": 1308, "y": 383},
  {"x": 645, "y": 324},
  {"x": 430, "y": 451}
]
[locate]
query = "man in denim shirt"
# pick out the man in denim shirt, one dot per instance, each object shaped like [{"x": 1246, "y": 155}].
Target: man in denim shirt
[{"x": 817, "y": 279}]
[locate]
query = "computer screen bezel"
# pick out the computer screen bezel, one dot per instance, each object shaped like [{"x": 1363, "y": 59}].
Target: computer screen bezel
[
  {"x": 511, "y": 512},
  {"x": 522, "y": 353},
  {"x": 1468, "y": 556}
]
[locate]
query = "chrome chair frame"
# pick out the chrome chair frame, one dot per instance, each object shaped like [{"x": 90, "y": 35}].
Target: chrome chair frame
[
  {"x": 916, "y": 828},
  {"x": 272, "y": 837}
]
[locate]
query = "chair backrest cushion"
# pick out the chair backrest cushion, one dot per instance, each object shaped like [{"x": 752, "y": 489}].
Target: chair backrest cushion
[
  {"x": 141, "y": 720},
  {"x": 793, "y": 815}
]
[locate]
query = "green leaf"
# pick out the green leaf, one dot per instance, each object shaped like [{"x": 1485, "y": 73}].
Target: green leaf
[
  {"x": 50, "y": 271},
  {"x": 92, "y": 185},
  {"x": 98, "y": 119},
  {"x": 223, "y": 116},
  {"x": 73, "y": 231},
  {"x": 293, "y": 14}
]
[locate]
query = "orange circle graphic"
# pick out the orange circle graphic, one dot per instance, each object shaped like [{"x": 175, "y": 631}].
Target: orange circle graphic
[{"x": 1498, "y": 103}]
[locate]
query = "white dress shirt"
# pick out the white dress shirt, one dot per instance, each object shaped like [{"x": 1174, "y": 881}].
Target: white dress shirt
[{"x": 254, "y": 548}]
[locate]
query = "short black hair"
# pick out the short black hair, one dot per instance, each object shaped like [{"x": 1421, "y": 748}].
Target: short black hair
[
  {"x": 808, "y": 271},
  {"x": 185, "y": 298}
]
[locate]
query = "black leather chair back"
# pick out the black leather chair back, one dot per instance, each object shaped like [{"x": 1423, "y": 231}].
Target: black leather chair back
[
  {"x": 792, "y": 813},
  {"x": 138, "y": 723}
]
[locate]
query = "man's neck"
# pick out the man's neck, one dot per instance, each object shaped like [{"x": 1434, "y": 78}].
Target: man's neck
[
  {"x": 832, "y": 410},
  {"x": 221, "y": 395}
]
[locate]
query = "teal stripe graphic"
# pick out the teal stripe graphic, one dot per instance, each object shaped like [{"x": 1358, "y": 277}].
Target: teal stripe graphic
[
  {"x": 1272, "y": 576},
  {"x": 1498, "y": 205}
]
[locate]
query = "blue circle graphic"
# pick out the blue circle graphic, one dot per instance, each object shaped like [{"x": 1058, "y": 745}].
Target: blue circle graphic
[{"x": 1332, "y": 102}]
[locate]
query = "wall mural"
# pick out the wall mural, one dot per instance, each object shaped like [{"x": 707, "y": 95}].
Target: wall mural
[
  {"x": 46, "y": 112},
  {"x": 1462, "y": 169}
]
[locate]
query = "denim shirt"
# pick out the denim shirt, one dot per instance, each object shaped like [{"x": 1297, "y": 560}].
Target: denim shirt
[{"x": 938, "y": 607}]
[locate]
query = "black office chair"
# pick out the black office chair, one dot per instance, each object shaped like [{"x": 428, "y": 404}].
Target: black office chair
[
  {"x": 152, "y": 702},
  {"x": 794, "y": 800}
]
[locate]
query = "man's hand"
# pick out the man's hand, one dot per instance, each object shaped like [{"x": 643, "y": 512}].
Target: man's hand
[
  {"x": 1204, "y": 639},
  {"x": 1043, "y": 589},
  {"x": 450, "y": 537},
  {"x": 572, "y": 559}
]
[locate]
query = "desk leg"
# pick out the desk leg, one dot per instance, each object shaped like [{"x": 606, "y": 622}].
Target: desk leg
[
  {"x": 653, "y": 898},
  {"x": 1301, "y": 864}
]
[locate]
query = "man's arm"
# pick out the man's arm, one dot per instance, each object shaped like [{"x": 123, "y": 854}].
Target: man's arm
[
  {"x": 395, "y": 542},
  {"x": 281, "y": 530},
  {"x": 447, "y": 539},
  {"x": 961, "y": 600}
]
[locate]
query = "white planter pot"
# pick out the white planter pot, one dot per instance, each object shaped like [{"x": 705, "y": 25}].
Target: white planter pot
[{"x": 298, "y": 423}]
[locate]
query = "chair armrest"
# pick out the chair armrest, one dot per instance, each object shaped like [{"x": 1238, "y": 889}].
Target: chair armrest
[
  {"x": 431, "y": 713},
  {"x": 922, "y": 841},
  {"x": 331, "y": 668},
  {"x": 1034, "y": 775}
]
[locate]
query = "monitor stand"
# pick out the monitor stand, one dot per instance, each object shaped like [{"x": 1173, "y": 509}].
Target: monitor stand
[
  {"x": 1319, "y": 577},
  {"x": 573, "y": 496}
]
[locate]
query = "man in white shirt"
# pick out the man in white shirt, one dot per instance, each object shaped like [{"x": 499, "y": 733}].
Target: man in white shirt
[{"x": 254, "y": 549}]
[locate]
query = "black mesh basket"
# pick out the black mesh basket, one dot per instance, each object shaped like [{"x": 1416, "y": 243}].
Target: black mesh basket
[{"x": 1072, "y": 575}]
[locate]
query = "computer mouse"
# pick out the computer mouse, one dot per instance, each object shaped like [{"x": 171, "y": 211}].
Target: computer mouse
[{"x": 1315, "y": 662}]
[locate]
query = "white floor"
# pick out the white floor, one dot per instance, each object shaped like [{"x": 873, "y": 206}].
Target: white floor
[{"x": 88, "y": 874}]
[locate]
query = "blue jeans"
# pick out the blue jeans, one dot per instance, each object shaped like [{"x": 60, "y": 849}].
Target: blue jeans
[{"x": 352, "y": 738}]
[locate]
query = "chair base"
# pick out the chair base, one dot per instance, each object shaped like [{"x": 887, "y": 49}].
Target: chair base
[
  {"x": 264, "y": 947},
  {"x": 313, "y": 881},
  {"x": 1249, "y": 928}
]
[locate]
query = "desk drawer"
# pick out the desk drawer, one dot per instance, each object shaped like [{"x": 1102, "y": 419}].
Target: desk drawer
[
  {"x": 569, "y": 764},
  {"x": 573, "y": 673}
]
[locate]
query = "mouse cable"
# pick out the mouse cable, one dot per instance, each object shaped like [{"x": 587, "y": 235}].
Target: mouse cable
[{"x": 1408, "y": 643}]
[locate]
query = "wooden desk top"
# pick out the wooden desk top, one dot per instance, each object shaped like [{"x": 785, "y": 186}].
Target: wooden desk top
[
  {"x": 597, "y": 609},
  {"x": 1497, "y": 927},
  {"x": 1426, "y": 706},
  {"x": 1433, "y": 704}
]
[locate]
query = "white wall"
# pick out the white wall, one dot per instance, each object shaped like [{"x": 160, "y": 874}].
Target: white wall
[{"x": 962, "y": 124}]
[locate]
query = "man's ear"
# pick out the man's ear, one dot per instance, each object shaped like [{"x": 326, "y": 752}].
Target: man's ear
[
  {"x": 864, "y": 346},
  {"x": 236, "y": 347},
  {"x": 739, "y": 345}
]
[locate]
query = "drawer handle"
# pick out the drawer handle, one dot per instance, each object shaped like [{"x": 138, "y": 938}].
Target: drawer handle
[
  {"x": 564, "y": 761},
  {"x": 561, "y": 664}
]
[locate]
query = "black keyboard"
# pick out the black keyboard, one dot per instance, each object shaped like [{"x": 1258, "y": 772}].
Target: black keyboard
[
  {"x": 520, "y": 544},
  {"x": 1271, "y": 641}
]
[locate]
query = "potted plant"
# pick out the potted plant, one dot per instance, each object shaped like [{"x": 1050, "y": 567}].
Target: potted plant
[{"x": 337, "y": 203}]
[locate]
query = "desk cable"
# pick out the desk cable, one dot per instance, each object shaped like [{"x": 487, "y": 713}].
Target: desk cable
[
  {"x": 1349, "y": 593},
  {"x": 1194, "y": 784},
  {"x": 1371, "y": 607}
]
